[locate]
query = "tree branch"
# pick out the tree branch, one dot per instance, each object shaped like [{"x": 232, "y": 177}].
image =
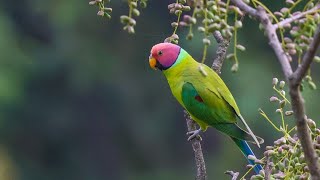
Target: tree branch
[
  {"x": 274, "y": 42},
  {"x": 191, "y": 124},
  {"x": 297, "y": 103},
  {"x": 221, "y": 52},
  {"x": 234, "y": 175},
  {"x": 298, "y": 107},
  {"x": 246, "y": 8},
  {"x": 296, "y": 17},
  {"x": 294, "y": 80},
  {"x": 196, "y": 146}
]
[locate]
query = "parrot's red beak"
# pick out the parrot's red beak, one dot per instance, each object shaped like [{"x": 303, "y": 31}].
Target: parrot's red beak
[{"x": 152, "y": 62}]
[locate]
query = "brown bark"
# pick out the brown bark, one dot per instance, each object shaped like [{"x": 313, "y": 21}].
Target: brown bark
[{"x": 294, "y": 79}]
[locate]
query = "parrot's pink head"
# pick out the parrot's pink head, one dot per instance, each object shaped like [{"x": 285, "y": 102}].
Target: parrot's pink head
[{"x": 163, "y": 55}]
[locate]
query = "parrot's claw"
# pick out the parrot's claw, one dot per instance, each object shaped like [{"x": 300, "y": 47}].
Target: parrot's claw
[{"x": 193, "y": 134}]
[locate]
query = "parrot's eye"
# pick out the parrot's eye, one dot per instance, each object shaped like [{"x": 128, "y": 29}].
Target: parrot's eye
[{"x": 160, "y": 53}]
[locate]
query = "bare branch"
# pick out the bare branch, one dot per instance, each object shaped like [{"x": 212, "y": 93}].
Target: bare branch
[
  {"x": 196, "y": 146},
  {"x": 246, "y": 8},
  {"x": 221, "y": 52},
  {"x": 296, "y": 17},
  {"x": 307, "y": 58},
  {"x": 303, "y": 130},
  {"x": 191, "y": 124},
  {"x": 274, "y": 41},
  {"x": 234, "y": 175},
  {"x": 294, "y": 82},
  {"x": 298, "y": 107}
]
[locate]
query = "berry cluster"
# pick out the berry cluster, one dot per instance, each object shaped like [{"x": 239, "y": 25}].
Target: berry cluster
[
  {"x": 103, "y": 10},
  {"x": 285, "y": 158},
  {"x": 214, "y": 15},
  {"x": 128, "y": 21},
  {"x": 297, "y": 29}
]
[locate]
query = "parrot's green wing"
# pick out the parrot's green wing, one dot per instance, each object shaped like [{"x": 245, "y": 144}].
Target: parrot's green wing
[
  {"x": 227, "y": 96},
  {"x": 221, "y": 88},
  {"x": 222, "y": 118}
]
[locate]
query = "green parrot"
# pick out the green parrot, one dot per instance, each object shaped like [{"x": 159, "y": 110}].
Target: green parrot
[{"x": 203, "y": 94}]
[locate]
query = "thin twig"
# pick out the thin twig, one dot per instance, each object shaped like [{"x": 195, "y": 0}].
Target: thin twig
[
  {"x": 246, "y": 8},
  {"x": 294, "y": 80},
  {"x": 296, "y": 17},
  {"x": 196, "y": 146},
  {"x": 274, "y": 42},
  {"x": 234, "y": 175},
  {"x": 221, "y": 52}
]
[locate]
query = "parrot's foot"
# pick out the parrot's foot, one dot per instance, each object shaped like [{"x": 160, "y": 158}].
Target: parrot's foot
[{"x": 193, "y": 134}]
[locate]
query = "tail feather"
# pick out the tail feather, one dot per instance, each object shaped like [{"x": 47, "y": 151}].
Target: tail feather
[
  {"x": 250, "y": 132},
  {"x": 246, "y": 151}
]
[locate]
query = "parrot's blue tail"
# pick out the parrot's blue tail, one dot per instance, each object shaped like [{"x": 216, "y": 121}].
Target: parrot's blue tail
[{"x": 246, "y": 150}]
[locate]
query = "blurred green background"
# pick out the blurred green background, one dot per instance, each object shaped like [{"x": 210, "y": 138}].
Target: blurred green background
[{"x": 78, "y": 100}]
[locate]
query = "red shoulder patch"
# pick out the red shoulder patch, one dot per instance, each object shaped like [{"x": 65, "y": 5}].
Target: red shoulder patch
[{"x": 198, "y": 98}]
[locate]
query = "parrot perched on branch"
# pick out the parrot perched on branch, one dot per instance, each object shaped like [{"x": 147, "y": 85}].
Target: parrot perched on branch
[{"x": 204, "y": 95}]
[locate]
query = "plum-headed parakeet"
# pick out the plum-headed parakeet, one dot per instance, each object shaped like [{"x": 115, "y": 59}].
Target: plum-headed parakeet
[{"x": 203, "y": 94}]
